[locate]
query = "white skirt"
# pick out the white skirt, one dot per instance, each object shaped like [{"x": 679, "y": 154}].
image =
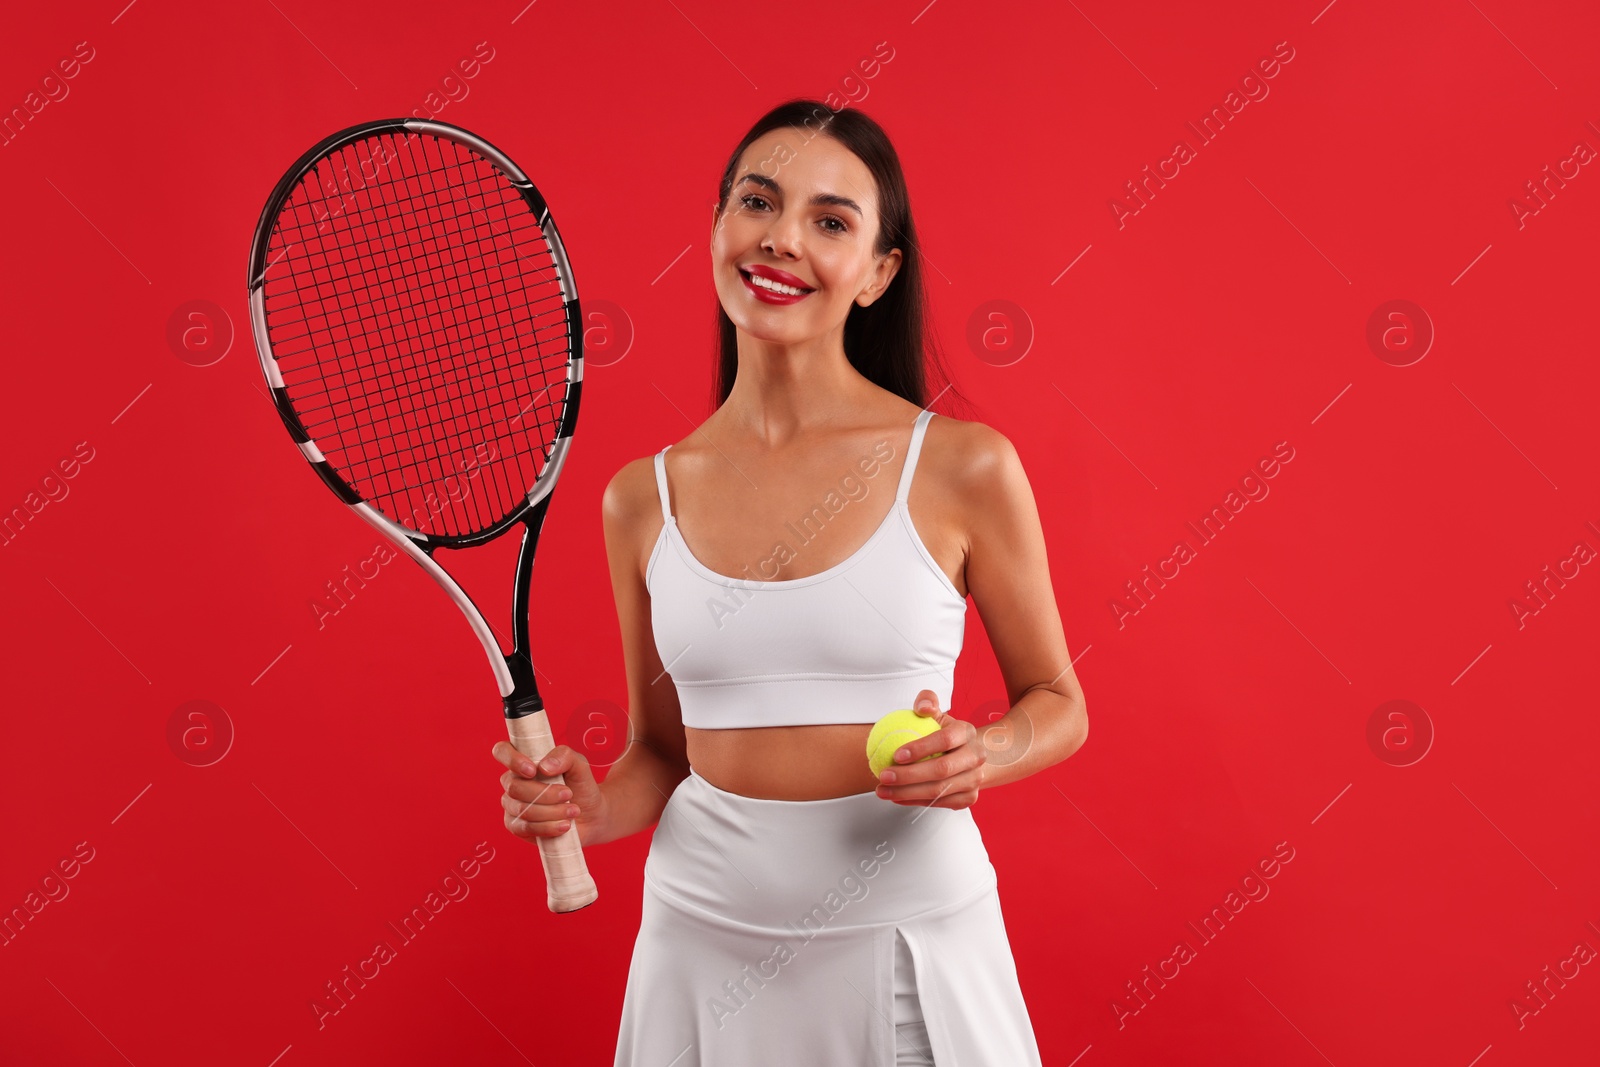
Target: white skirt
[{"x": 769, "y": 936}]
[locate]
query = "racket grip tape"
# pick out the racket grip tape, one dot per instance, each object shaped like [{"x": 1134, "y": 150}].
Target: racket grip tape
[{"x": 566, "y": 876}]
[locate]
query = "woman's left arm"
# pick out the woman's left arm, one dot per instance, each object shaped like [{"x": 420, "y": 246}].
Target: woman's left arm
[{"x": 1008, "y": 578}]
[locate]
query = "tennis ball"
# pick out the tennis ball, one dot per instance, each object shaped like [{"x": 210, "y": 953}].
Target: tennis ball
[{"x": 894, "y": 730}]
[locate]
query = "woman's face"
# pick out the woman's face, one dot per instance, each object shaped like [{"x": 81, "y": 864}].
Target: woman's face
[{"x": 804, "y": 214}]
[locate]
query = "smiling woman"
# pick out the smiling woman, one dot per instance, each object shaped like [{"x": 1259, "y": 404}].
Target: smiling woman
[
  {"x": 884, "y": 336},
  {"x": 751, "y": 725}
]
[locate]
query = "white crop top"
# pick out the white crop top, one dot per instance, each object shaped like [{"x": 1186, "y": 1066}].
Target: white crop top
[{"x": 846, "y": 645}]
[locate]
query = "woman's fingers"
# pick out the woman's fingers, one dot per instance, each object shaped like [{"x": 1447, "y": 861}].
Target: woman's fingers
[
  {"x": 537, "y": 820},
  {"x": 959, "y": 790},
  {"x": 950, "y": 780},
  {"x": 536, "y": 808},
  {"x": 953, "y": 734},
  {"x": 529, "y": 791},
  {"x": 533, "y": 808},
  {"x": 932, "y": 772},
  {"x": 941, "y": 740},
  {"x": 510, "y": 758},
  {"x": 546, "y": 815}
]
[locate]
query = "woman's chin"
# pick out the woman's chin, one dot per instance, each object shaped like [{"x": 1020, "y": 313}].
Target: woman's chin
[{"x": 762, "y": 328}]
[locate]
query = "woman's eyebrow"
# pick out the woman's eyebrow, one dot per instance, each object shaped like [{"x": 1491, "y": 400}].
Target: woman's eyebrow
[{"x": 821, "y": 199}]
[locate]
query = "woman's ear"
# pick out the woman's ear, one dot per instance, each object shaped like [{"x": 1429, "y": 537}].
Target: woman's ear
[{"x": 882, "y": 275}]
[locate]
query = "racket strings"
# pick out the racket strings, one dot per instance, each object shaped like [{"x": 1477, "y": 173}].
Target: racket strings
[
  {"x": 412, "y": 320},
  {"x": 401, "y": 277},
  {"x": 420, "y": 327},
  {"x": 408, "y": 394},
  {"x": 503, "y": 290},
  {"x": 407, "y": 278},
  {"x": 546, "y": 415},
  {"x": 403, "y": 395},
  {"x": 554, "y": 323}
]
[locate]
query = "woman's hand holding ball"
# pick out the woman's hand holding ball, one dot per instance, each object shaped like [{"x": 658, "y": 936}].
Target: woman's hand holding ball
[{"x": 941, "y": 769}]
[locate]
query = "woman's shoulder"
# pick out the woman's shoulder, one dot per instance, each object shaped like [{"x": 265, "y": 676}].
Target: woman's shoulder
[
  {"x": 969, "y": 461},
  {"x": 968, "y": 458},
  {"x": 631, "y": 494}
]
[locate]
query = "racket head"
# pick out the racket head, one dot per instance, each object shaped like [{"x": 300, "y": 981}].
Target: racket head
[{"x": 416, "y": 317}]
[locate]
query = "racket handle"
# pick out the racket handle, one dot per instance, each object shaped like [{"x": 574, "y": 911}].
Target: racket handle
[{"x": 566, "y": 876}]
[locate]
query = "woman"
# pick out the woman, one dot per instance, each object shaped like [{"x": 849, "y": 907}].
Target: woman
[{"x": 785, "y": 575}]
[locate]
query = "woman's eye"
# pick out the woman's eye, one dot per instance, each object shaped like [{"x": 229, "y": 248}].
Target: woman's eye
[{"x": 756, "y": 203}]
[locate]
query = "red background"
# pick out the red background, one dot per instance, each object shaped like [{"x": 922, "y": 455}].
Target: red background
[{"x": 1229, "y": 714}]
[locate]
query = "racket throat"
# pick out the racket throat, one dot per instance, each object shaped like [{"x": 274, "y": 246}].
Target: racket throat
[{"x": 524, "y": 698}]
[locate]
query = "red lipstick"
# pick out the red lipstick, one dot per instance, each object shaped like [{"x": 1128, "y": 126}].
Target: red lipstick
[{"x": 772, "y": 274}]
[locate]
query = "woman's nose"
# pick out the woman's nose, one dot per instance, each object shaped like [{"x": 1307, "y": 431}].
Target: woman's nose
[{"x": 782, "y": 238}]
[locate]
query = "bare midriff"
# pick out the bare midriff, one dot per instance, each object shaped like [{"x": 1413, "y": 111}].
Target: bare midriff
[{"x": 784, "y": 762}]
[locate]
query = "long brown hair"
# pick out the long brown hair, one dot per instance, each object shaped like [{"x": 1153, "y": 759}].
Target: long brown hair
[{"x": 890, "y": 342}]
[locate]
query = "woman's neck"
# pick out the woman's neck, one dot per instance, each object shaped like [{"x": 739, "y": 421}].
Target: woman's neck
[{"x": 786, "y": 391}]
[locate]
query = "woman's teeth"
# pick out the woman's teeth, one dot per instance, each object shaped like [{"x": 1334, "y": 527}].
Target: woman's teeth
[{"x": 777, "y": 287}]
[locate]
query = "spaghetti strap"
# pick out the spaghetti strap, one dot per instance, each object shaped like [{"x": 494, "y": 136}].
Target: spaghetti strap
[
  {"x": 917, "y": 433},
  {"x": 661, "y": 484}
]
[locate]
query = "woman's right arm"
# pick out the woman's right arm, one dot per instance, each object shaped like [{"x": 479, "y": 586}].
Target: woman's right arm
[{"x": 637, "y": 787}]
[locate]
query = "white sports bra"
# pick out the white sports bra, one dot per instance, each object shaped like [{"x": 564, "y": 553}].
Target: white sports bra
[{"x": 846, "y": 645}]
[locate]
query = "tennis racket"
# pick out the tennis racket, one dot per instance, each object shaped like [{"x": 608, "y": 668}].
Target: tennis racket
[{"x": 417, "y": 321}]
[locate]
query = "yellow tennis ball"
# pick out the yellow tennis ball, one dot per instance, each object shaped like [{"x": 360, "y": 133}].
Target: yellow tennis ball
[{"x": 894, "y": 730}]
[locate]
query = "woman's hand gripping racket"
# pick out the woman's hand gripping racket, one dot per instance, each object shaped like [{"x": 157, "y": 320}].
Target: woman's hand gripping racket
[{"x": 417, "y": 321}]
